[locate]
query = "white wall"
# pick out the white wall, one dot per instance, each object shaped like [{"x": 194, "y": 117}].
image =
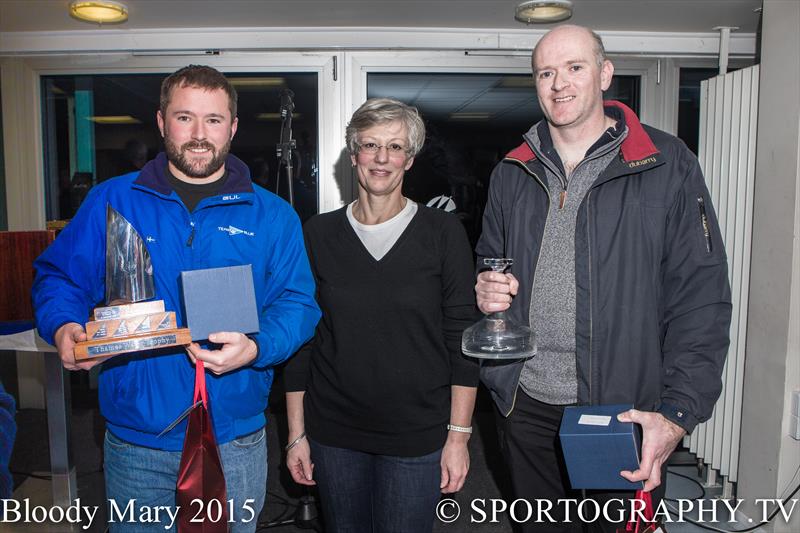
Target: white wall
[{"x": 769, "y": 458}]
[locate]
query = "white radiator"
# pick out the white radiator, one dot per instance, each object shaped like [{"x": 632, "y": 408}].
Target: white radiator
[{"x": 727, "y": 149}]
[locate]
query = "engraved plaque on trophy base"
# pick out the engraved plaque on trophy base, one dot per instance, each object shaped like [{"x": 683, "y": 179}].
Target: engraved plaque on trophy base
[{"x": 130, "y": 328}]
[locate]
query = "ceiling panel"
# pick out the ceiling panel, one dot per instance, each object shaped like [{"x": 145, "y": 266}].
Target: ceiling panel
[{"x": 622, "y": 15}]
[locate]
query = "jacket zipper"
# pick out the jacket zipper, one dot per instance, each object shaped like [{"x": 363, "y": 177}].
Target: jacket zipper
[
  {"x": 562, "y": 197},
  {"x": 191, "y": 235},
  {"x": 704, "y": 223},
  {"x": 589, "y": 253},
  {"x": 533, "y": 282},
  {"x": 591, "y": 311},
  {"x": 562, "y": 180},
  {"x": 589, "y": 242}
]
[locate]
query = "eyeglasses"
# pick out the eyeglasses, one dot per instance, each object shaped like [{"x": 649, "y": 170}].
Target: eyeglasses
[{"x": 373, "y": 148}]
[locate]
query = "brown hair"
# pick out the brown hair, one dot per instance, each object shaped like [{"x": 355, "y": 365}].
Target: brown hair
[{"x": 202, "y": 77}]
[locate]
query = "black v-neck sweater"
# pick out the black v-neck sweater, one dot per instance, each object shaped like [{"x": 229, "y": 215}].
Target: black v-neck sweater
[{"x": 378, "y": 372}]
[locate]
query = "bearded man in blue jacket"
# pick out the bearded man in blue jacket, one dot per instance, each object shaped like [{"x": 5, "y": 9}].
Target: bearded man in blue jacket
[{"x": 195, "y": 207}]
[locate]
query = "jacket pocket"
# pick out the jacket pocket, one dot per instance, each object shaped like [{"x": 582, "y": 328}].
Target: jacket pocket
[{"x": 705, "y": 229}]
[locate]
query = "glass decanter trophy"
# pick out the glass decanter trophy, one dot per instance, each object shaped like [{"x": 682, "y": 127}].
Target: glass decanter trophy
[
  {"x": 496, "y": 336},
  {"x": 131, "y": 321}
]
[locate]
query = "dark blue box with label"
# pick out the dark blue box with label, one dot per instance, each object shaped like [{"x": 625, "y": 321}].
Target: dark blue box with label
[
  {"x": 219, "y": 299},
  {"x": 597, "y": 447}
]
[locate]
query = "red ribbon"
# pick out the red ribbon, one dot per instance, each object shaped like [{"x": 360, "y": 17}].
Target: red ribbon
[
  {"x": 647, "y": 513},
  {"x": 200, "y": 492}
]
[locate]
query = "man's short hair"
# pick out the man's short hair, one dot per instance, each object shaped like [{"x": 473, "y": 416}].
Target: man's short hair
[
  {"x": 380, "y": 111},
  {"x": 202, "y": 77},
  {"x": 599, "y": 48}
]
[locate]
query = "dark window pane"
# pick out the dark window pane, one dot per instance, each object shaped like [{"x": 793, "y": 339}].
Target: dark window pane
[
  {"x": 97, "y": 127},
  {"x": 689, "y": 104}
]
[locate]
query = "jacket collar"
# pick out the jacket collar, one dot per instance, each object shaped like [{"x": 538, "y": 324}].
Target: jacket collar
[
  {"x": 637, "y": 146},
  {"x": 153, "y": 176}
]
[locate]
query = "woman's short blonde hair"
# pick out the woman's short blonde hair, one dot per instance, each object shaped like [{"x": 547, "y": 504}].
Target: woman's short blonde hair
[{"x": 380, "y": 111}]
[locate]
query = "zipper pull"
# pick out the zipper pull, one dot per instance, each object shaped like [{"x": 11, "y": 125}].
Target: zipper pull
[
  {"x": 191, "y": 237},
  {"x": 704, "y": 223},
  {"x": 563, "y": 199}
]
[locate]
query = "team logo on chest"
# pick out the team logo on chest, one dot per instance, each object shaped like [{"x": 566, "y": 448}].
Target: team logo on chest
[{"x": 233, "y": 230}]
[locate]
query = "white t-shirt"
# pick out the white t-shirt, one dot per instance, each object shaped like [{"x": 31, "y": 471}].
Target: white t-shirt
[{"x": 379, "y": 238}]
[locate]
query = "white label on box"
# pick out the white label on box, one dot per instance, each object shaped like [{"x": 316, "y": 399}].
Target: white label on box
[{"x": 594, "y": 420}]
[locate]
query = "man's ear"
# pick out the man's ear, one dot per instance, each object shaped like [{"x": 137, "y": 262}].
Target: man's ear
[
  {"x": 234, "y": 126},
  {"x": 606, "y": 73},
  {"x": 160, "y": 121}
]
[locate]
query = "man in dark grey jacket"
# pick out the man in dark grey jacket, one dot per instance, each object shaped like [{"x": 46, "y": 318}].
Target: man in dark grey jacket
[{"x": 618, "y": 267}]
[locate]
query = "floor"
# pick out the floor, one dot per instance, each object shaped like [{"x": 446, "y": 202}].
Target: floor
[{"x": 487, "y": 479}]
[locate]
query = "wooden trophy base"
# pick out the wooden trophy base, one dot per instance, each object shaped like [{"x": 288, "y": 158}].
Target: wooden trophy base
[
  {"x": 130, "y": 328},
  {"x": 132, "y": 343}
]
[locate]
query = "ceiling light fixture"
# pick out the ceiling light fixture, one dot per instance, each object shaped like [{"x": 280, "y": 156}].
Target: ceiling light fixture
[
  {"x": 99, "y": 11},
  {"x": 114, "y": 119},
  {"x": 516, "y": 82},
  {"x": 241, "y": 83},
  {"x": 470, "y": 115},
  {"x": 276, "y": 116},
  {"x": 543, "y": 11}
]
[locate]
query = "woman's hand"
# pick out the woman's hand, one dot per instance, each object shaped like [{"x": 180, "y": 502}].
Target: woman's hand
[
  {"x": 298, "y": 460},
  {"x": 298, "y": 452},
  {"x": 455, "y": 462}
]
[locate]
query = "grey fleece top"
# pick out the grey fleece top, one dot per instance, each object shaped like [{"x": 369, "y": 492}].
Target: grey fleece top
[{"x": 551, "y": 376}]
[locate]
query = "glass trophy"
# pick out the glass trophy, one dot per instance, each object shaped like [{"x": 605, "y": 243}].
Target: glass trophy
[
  {"x": 496, "y": 336},
  {"x": 131, "y": 321}
]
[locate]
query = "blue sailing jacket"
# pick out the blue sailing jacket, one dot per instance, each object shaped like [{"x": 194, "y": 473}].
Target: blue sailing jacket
[{"x": 142, "y": 393}]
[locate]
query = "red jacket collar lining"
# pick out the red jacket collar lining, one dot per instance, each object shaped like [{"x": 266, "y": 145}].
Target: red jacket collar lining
[{"x": 636, "y": 146}]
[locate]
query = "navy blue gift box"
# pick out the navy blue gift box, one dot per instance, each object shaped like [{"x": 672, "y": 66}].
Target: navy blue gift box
[
  {"x": 597, "y": 447},
  {"x": 220, "y": 299}
]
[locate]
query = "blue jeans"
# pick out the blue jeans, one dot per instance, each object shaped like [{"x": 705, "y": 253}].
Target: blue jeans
[
  {"x": 147, "y": 477},
  {"x": 363, "y": 492}
]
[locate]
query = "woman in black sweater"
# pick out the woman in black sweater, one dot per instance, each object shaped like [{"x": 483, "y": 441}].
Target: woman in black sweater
[{"x": 380, "y": 401}]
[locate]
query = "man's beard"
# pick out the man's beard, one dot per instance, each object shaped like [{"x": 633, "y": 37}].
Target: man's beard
[{"x": 197, "y": 168}]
